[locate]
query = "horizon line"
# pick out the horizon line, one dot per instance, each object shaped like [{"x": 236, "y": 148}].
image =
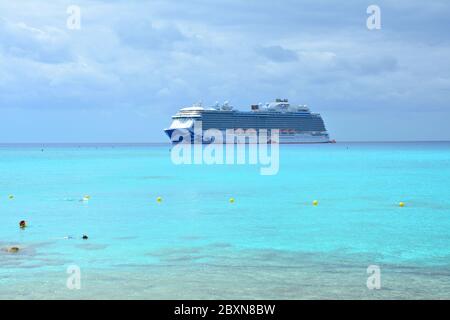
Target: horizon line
[{"x": 162, "y": 143}]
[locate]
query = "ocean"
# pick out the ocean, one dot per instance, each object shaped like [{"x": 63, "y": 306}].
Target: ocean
[{"x": 270, "y": 243}]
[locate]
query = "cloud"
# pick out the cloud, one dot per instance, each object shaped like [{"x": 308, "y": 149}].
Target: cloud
[
  {"x": 370, "y": 65},
  {"x": 46, "y": 45},
  {"x": 278, "y": 53},
  {"x": 144, "y": 34}
]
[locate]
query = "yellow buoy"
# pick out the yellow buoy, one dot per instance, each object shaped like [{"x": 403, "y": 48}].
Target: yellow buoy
[
  {"x": 401, "y": 204},
  {"x": 315, "y": 203},
  {"x": 86, "y": 198},
  {"x": 159, "y": 199},
  {"x": 231, "y": 200},
  {"x": 10, "y": 197}
]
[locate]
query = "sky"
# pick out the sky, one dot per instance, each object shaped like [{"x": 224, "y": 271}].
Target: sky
[{"x": 132, "y": 64}]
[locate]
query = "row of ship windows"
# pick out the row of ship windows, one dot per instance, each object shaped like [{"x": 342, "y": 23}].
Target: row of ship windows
[
  {"x": 254, "y": 114},
  {"x": 204, "y": 118},
  {"x": 263, "y": 120},
  {"x": 234, "y": 124},
  {"x": 312, "y": 128},
  {"x": 313, "y": 123},
  {"x": 263, "y": 123},
  {"x": 259, "y": 119},
  {"x": 301, "y": 129}
]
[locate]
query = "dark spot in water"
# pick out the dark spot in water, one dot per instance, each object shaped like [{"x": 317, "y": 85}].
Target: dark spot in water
[
  {"x": 11, "y": 249},
  {"x": 174, "y": 252},
  {"x": 191, "y": 238},
  {"x": 125, "y": 238},
  {"x": 29, "y": 256},
  {"x": 184, "y": 258},
  {"x": 156, "y": 177},
  {"x": 92, "y": 246},
  {"x": 220, "y": 245}
]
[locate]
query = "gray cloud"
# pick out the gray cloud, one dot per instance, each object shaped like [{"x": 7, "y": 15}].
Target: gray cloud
[
  {"x": 369, "y": 65},
  {"x": 277, "y": 53}
]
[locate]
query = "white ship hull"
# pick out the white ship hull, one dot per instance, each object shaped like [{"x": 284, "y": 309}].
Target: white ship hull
[
  {"x": 304, "y": 138},
  {"x": 178, "y": 135}
]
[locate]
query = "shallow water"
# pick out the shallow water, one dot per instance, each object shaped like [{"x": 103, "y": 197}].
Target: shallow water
[{"x": 271, "y": 243}]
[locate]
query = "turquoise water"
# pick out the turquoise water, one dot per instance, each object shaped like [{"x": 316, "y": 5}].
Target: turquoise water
[{"x": 270, "y": 243}]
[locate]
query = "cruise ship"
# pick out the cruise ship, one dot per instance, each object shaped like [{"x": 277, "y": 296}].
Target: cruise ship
[{"x": 296, "y": 123}]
